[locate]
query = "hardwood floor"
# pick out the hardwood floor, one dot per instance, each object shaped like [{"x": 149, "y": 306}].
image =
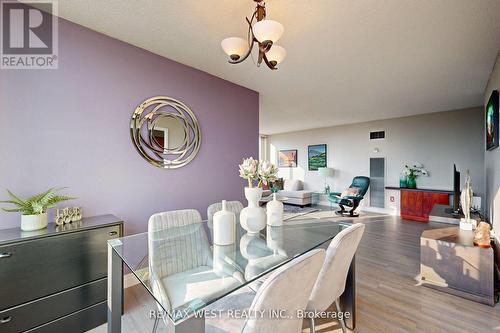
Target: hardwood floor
[{"x": 388, "y": 296}]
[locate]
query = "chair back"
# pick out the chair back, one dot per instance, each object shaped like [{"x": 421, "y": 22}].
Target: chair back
[
  {"x": 333, "y": 275},
  {"x": 362, "y": 183},
  {"x": 232, "y": 206},
  {"x": 287, "y": 289},
  {"x": 177, "y": 242}
]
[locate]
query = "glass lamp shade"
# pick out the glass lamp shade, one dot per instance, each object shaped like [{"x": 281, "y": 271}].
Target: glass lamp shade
[
  {"x": 268, "y": 30},
  {"x": 276, "y": 54},
  {"x": 234, "y": 47}
]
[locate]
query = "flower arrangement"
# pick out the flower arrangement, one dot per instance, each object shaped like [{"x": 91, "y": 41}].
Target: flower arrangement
[
  {"x": 412, "y": 172},
  {"x": 252, "y": 170}
]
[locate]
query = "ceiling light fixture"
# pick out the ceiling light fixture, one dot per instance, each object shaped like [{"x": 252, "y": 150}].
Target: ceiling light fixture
[{"x": 265, "y": 33}]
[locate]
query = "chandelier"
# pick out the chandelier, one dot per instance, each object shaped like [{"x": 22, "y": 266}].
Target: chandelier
[{"x": 265, "y": 33}]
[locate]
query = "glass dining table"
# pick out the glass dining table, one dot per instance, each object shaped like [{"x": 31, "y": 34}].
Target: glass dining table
[{"x": 184, "y": 271}]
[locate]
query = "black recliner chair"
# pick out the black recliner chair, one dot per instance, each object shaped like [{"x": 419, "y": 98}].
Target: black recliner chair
[{"x": 360, "y": 182}]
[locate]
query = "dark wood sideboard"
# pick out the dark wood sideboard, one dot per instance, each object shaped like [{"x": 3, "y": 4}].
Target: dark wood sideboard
[
  {"x": 55, "y": 279},
  {"x": 416, "y": 204}
]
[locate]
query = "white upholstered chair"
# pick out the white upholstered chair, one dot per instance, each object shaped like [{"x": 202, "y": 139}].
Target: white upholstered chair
[
  {"x": 232, "y": 206},
  {"x": 331, "y": 280},
  {"x": 287, "y": 289},
  {"x": 180, "y": 260}
]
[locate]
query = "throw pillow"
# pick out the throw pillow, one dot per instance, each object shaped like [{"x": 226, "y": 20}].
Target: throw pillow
[
  {"x": 278, "y": 184},
  {"x": 350, "y": 192},
  {"x": 292, "y": 185}
]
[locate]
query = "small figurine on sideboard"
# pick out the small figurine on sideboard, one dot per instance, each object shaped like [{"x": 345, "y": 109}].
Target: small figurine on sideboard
[{"x": 482, "y": 235}]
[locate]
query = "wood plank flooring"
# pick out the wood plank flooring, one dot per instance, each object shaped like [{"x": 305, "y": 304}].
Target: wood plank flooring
[{"x": 388, "y": 296}]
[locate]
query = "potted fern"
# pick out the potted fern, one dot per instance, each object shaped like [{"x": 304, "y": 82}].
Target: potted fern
[{"x": 34, "y": 210}]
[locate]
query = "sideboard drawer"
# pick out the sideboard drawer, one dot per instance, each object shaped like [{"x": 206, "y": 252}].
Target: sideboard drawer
[
  {"x": 46, "y": 309},
  {"x": 38, "y": 268},
  {"x": 78, "y": 322}
]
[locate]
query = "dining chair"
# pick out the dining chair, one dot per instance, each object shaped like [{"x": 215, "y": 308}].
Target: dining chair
[
  {"x": 232, "y": 206},
  {"x": 330, "y": 283},
  {"x": 181, "y": 261},
  {"x": 286, "y": 292}
]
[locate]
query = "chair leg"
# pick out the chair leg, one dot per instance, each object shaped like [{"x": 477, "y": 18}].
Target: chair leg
[
  {"x": 312, "y": 328},
  {"x": 341, "y": 211},
  {"x": 155, "y": 326},
  {"x": 341, "y": 321}
]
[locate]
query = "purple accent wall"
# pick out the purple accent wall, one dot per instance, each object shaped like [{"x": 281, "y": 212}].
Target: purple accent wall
[{"x": 70, "y": 127}]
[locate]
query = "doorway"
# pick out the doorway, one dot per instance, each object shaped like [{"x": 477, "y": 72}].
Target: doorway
[{"x": 377, "y": 182}]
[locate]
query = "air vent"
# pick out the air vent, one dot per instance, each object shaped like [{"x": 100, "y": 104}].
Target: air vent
[{"x": 377, "y": 135}]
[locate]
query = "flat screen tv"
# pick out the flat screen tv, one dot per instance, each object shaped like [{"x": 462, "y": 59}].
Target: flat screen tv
[
  {"x": 455, "y": 210},
  {"x": 456, "y": 190}
]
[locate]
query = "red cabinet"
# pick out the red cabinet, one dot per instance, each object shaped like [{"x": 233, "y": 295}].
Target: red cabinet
[{"x": 416, "y": 205}]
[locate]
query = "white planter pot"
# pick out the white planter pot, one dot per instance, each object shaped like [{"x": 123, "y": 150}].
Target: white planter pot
[
  {"x": 33, "y": 222},
  {"x": 274, "y": 212},
  {"x": 253, "y": 217},
  {"x": 224, "y": 226}
]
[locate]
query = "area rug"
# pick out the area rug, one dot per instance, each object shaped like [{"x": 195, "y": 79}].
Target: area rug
[{"x": 326, "y": 214}]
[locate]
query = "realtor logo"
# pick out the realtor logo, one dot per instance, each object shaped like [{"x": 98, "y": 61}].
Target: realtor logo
[{"x": 29, "y": 35}]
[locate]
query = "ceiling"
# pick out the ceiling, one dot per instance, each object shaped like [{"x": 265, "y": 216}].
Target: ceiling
[{"x": 348, "y": 60}]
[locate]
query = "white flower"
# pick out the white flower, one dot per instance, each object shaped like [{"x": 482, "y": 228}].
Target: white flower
[
  {"x": 248, "y": 169},
  {"x": 415, "y": 170},
  {"x": 267, "y": 172}
]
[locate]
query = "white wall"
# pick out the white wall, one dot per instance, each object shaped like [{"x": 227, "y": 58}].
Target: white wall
[
  {"x": 437, "y": 140},
  {"x": 492, "y": 163}
]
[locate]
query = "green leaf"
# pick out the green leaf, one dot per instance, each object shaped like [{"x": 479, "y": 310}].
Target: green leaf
[
  {"x": 12, "y": 210},
  {"x": 13, "y": 197},
  {"x": 37, "y": 208},
  {"x": 39, "y": 197},
  {"x": 10, "y": 202},
  {"x": 59, "y": 198}
]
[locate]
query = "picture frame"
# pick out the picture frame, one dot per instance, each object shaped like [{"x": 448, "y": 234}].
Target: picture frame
[
  {"x": 287, "y": 158},
  {"x": 491, "y": 122},
  {"x": 316, "y": 157}
]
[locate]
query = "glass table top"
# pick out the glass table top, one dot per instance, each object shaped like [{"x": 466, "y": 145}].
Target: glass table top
[{"x": 184, "y": 271}]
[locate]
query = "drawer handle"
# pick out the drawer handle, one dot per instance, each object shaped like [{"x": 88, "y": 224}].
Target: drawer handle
[
  {"x": 5, "y": 320},
  {"x": 113, "y": 233},
  {"x": 5, "y": 255}
]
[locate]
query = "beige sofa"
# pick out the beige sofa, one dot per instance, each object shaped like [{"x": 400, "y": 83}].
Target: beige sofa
[{"x": 293, "y": 190}]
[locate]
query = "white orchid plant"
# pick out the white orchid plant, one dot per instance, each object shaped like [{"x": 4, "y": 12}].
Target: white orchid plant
[
  {"x": 264, "y": 172},
  {"x": 415, "y": 170}
]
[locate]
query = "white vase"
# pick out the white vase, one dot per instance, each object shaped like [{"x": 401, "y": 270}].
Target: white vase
[
  {"x": 224, "y": 226},
  {"x": 253, "y": 217},
  {"x": 33, "y": 222},
  {"x": 274, "y": 212}
]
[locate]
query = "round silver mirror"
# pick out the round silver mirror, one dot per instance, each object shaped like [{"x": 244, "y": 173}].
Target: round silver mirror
[{"x": 165, "y": 132}]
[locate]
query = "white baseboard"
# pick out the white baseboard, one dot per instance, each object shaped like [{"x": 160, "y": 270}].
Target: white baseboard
[{"x": 387, "y": 211}]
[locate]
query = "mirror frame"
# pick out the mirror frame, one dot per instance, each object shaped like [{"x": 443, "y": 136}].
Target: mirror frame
[{"x": 142, "y": 124}]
